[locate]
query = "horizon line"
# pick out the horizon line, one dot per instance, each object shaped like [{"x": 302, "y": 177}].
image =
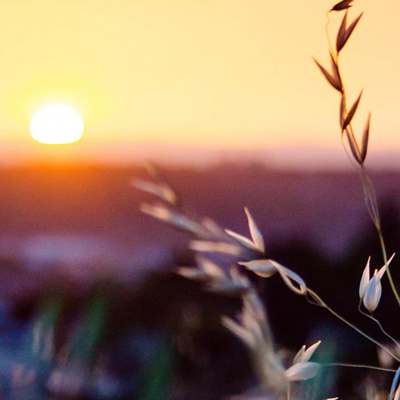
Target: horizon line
[{"x": 122, "y": 154}]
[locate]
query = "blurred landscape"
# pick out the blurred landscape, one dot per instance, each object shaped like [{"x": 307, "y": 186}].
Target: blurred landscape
[
  {"x": 45, "y": 212},
  {"x": 74, "y": 243}
]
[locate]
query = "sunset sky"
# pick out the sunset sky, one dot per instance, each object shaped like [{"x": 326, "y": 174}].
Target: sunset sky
[{"x": 209, "y": 74}]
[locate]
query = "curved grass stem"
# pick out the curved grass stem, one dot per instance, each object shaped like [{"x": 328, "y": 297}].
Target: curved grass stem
[
  {"x": 322, "y": 303},
  {"x": 372, "y": 318},
  {"x": 327, "y": 33}
]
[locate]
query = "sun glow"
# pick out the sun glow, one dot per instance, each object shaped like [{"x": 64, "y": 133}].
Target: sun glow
[{"x": 56, "y": 124}]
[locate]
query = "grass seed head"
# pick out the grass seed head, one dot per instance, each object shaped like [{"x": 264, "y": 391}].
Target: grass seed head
[
  {"x": 365, "y": 278},
  {"x": 343, "y": 5},
  {"x": 373, "y": 293},
  {"x": 302, "y": 371}
]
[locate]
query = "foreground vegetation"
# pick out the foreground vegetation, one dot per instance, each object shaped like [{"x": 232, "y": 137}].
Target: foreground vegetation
[{"x": 278, "y": 376}]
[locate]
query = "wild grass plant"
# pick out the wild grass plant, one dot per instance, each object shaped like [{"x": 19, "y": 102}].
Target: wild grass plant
[{"x": 226, "y": 258}]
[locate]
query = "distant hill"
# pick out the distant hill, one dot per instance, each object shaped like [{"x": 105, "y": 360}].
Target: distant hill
[{"x": 93, "y": 211}]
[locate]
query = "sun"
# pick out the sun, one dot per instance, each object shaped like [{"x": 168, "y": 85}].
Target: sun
[{"x": 56, "y": 124}]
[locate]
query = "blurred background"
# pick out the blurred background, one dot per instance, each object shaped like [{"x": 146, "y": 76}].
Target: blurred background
[
  {"x": 89, "y": 285},
  {"x": 224, "y": 99}
]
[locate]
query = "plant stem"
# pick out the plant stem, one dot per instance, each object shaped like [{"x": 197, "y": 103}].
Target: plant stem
[
  {"x": 372, "y": 206},
  {"x": 371, "y": 317},
  {"x": 320, "y": 302},
  {"x": 388, "y": 273},
  {"x": 370, "y": 196},
  {"x": 358, "y": 366}
]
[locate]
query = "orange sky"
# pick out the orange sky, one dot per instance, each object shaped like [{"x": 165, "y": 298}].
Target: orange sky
[{"x": 212, "y": 73}]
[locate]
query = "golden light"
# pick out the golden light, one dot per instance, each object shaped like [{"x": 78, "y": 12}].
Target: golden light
[{"x": 56, "y": 124}]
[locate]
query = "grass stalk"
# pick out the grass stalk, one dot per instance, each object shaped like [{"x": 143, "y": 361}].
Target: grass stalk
[
  {"x": 385, "y": 259},
  {"x": 358, "y": 149},
  {"x": 371, "y": 367},
  {"x": 372, "y": 207},
  {"x": 372, "y": 318},
  {"x": 322, "y": 303}
]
